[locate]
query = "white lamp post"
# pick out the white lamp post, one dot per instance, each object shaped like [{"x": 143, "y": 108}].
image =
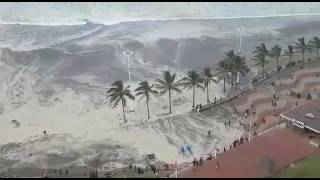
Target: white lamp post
[
  {"x": 128, "y": 53},
  {"x": 240, "y": 29}
]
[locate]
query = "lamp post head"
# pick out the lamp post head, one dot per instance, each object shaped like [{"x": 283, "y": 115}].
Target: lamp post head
[
  {"x": 241, "y": 28},
  {"x": 128, "y": 52}
]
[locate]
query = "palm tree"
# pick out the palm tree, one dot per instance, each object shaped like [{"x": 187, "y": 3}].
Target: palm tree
[
  {"x": 289, "y": 52},
  {"x": 261, "y": 52},
  {"x": 225, "y": 66},
  {"x": 118, "y": 93},
  {"x": 275, "y": 52},
  {"x": 240, "y": 65},
  {"x": 207, "y": 79},
  {"x": 144, "y": 90},
  {"x": 167, "y": 84},
  {"x": 229, "y": 59},
  {"x": 223, "y": 69},
  {"x": 302, "y": 47},
  {"x": 315, "y": 44},
  {"x": 193, "y": 80}
]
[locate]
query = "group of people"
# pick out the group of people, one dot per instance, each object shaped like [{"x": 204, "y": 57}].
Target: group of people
[
  {"x": 55, "y": 171},
  {"x": 93, "y": 173},
  {"x": 154, "y": 169},
  {"x": 215, "y": 100},
  {"x": 196, "y": 162},
  {"x": 225, "y": 123},
  {"x": 253, "y": 109},
  {"x": 184, "y": 150}
]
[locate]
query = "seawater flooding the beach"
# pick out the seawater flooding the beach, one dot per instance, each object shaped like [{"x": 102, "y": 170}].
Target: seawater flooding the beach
[{"x": 81, "y": 142}]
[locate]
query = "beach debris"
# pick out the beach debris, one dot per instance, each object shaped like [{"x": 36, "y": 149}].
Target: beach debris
[{"x": 16, "y": 123}]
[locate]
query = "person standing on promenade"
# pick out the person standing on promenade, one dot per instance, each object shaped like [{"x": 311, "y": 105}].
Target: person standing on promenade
[{"x": 217, "y": 165}]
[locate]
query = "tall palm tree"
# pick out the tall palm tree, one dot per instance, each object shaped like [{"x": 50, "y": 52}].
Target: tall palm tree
[
  {"x": 275, "y": 52},
  {"x": 118, "y": 93},
  {"x": 301, "y": 47},
  {"x": 193, "y": 80},
  {"x": 229, "y": 59},
  {"x": 207, "y": 79},
  {"x": 240, "y": 65},
  {"x": 314, "y": 43},
  {"x": 145, "y": 90},
  {"x": 261, "y": 52},
  {"x": 225, "y": 66},
  {"x": 289, "y": 52},
  {"x": 168, "y": 84},
  {"x": 223, "y": 69}
]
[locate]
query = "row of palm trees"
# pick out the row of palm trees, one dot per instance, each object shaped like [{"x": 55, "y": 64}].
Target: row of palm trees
[
  {"x": 231, "y": 63},
  {"x": 167, "y": 84},
  {"x": 261, "y": 52}
]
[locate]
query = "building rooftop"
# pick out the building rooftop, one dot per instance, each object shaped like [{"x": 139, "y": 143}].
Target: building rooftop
[{"x": 298, "y": 115}]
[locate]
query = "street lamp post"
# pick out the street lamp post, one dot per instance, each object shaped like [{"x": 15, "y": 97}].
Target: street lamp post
[
  {"x": 240, "y": 29},
  {"x": 128, "y": 53}
]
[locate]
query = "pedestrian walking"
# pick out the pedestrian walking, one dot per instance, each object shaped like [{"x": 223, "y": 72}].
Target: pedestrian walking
[
  {"x": 229, "y": 123},
  {"x": 217, "y": 165},
  {"x": 182, "y": 149},
  {"x": 225, "y": 123},
  {"x": 224, "y": 150}
]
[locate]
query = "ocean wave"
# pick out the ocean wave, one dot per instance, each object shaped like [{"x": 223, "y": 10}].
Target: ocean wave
[{"x": 113, "y": 22}]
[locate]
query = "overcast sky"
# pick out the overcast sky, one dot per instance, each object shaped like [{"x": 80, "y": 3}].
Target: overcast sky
[{"x": 112, "y": 12}]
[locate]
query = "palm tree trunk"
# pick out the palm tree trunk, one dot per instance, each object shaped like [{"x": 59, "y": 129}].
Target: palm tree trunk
[
  {"x": 277, "y": 60},
  {"x": 208, "y": 93},
  {"x": 235, "y": 79},
  {"x": 232, "y": 75},
  {"x": 302, "y": 59},
  {"x": 124, "y": 116},
  {"x": 290, "y": 59},
  {"x": 148, "y": 108},
  {"x": 262, "y": 65},
  {"x": 224, "y": 83},
  {"x": 278, "y": 67},
  {"x": 193, "y": 91},
  {"x": 169, "y": 101}
]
